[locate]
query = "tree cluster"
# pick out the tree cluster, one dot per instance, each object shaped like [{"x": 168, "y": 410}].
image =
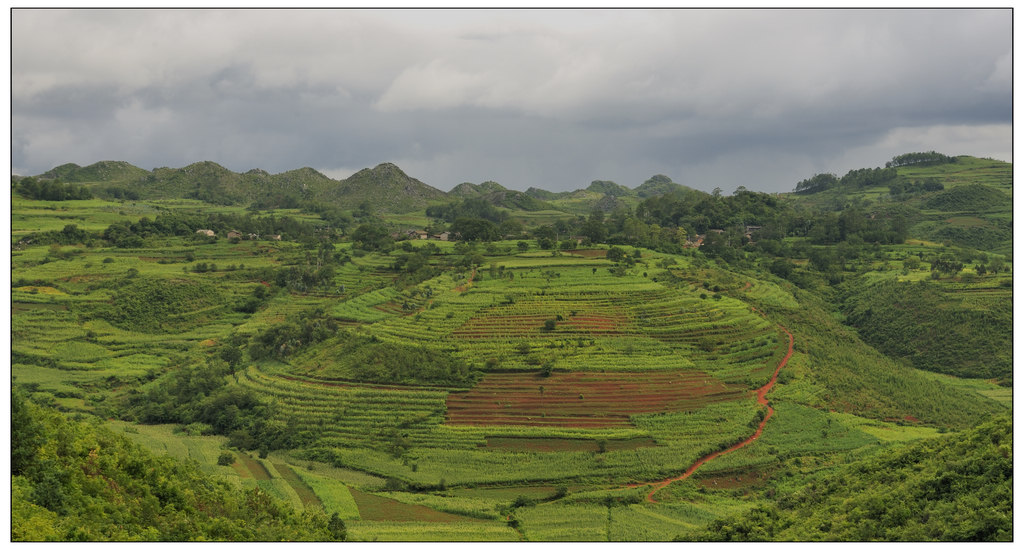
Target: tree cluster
[{"x": 51, "y": 190}]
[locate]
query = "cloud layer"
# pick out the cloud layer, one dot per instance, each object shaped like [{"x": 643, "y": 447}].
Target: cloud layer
[{"x": 552, "y": 98}]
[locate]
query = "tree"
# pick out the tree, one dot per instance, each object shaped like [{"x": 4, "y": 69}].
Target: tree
[
  {"x": 476, "y": 229},
  {"x": 372, "y": 237},
  {"x": 594, "y": 229},
  {"x": 336, "y": 527}
]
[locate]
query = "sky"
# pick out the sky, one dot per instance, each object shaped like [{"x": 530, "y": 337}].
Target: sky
[{"x": 529, "y": 98}]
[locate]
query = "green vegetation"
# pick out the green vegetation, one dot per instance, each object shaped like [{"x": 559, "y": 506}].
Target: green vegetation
[
  {"x": 953, "y": 488},
  {"x": 967, "y": 335},
  {"x": 76, "y": 481},
  {"x": 325, "y": 359}
]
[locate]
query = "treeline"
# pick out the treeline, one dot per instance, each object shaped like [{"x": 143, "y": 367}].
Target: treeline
[
  {"x": 51, "y": 190},
  {"x": 129, "y": 234},
  {"x": 854, "y": 179},
  {"x": 133, "y": 234},
  {"x": 931, "y": 157},
  {"x": 75, "y": 480},
  {"x": 468, "y": 208},
  {"x": 953, "y": 488}
]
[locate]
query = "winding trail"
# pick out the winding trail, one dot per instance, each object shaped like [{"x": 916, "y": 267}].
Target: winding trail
[{"x": 762, "y": 392}]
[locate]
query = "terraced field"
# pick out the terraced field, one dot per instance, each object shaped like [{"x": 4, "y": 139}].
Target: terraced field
[{"x": 583, "y": 399}]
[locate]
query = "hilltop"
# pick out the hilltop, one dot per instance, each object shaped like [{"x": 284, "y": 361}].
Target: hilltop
[{"x": 385, "y": 188}]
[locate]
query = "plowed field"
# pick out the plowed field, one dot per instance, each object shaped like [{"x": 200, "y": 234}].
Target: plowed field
[{"x": 584, "y": 400}]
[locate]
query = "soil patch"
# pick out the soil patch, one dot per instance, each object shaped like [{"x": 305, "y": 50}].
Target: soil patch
[
  {"x": 22, "y": 307},
  {"x": 588, "y": 253},
  {"x": 306, "y": 494},
  {"x": 377, "y": 508},
  {"x": 734, "y": 480},
  {"x": 256, "y": 470}
]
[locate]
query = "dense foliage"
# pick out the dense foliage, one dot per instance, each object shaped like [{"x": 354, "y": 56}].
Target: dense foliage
[
  {"x": 473, "y": 207},
  {"x": 157, "y": 305},
  {"x": 933, "y": 330},
  {"x": 389, "y": 363},
  {"x": 199, "y": 394},
  {"x": 284, "y": 339},
  {"x": 77, "y": 481},
  {"x": 953, "y": 488}
]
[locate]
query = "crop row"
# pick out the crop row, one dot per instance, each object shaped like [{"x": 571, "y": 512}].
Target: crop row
[
  {"x": 347, "y": 414},
  {"x": 583, "y": 399}
]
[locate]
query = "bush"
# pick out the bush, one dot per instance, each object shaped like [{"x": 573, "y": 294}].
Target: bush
[{"x": 226, "y": 458}]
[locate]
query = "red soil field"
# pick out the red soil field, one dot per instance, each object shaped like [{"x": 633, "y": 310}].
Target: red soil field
[
  {"x": 588, "y": 253},
  {"x": 584, "y": 400}
]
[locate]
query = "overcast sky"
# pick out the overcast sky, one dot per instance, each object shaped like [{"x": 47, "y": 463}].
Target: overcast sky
[{"x": 551, "y": 98}]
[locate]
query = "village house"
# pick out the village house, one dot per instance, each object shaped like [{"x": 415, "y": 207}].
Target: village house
[
  {"x": 442, "y": 236},
  {"x": 234, "y": 235},
  {"x": 417, "y": 234},
  {"x": 749, "y": 230},
  {"x": 274, "y": 237},
  {"x": 207, "y": 232}
]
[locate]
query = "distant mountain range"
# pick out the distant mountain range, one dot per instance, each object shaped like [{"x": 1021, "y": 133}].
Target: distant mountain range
[{"x": 384, "y": 188}]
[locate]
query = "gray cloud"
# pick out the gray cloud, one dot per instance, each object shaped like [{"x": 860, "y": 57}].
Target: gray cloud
[{"x": 554, "y": 99}]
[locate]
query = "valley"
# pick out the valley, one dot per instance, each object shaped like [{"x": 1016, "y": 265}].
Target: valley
[{"x": 611, "y": 364}]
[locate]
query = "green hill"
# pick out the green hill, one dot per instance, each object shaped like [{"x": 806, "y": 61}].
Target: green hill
[
  {"x": 967, "y": 202},
  {"x": 385, "y": 188},
  {"x": 657, "y": 185},
  {"x": 107, "y": 171},
  {"x": 610, "y": 188}
]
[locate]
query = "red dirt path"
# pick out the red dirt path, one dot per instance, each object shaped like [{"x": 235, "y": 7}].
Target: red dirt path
[{"x": 761, "y": 393}]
